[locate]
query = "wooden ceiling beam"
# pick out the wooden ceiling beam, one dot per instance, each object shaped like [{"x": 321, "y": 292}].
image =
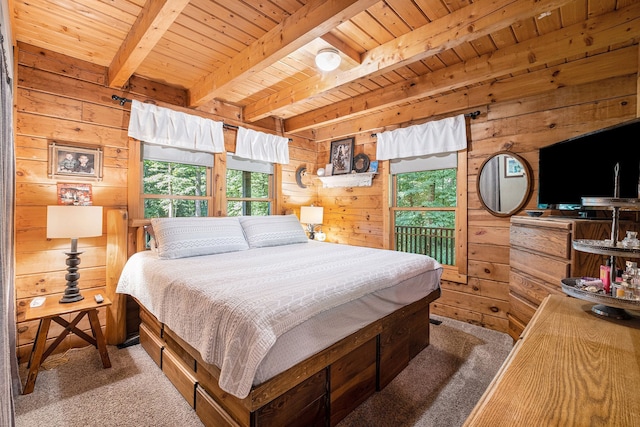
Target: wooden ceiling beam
[
  {"x": 311, "y": 21},
  {"x": 604, "y": 30},
  {"x": 343, "y": 47},
  {"x": 621, "y": 62},
  {"x": 461, "y": 26},
  {"x": 154, "y": 20}
]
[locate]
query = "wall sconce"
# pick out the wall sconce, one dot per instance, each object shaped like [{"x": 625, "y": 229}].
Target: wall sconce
[
  {"x": 312, "y": 216},
  {"x": 328, "y": 59},
  {"x": 73, "y": 222}
]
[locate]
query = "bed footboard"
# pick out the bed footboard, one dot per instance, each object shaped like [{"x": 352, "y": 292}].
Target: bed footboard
[{"x": 319, "y": 391}]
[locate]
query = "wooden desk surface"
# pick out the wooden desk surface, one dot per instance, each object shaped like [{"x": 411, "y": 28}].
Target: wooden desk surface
[
  {"x": 569, "y": 368},
  {"x": 52, "y": 306}
]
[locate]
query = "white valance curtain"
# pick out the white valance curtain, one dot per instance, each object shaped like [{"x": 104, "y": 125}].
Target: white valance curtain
[
  {"x": 443, "y": 136},
  {"x": 162, "y": 126},
  {"x": 265, "y": 147}
]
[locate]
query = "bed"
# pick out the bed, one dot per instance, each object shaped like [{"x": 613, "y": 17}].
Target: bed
[{"x": 258, "y": 326}]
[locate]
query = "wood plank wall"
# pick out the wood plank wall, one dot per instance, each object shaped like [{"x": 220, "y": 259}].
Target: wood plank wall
[
  {"x": 63, "y": 99},
  {"x": 520, "y": 114}
]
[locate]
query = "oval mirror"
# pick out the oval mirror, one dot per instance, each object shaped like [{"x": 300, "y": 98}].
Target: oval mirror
[{"x": 504, "y": 183}]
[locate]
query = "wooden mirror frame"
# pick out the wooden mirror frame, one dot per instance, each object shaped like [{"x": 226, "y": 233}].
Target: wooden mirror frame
[{"x": 527, "y": 172}]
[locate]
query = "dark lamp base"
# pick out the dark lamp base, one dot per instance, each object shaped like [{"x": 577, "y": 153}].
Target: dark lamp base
[
  {"x": 65, "y": 299},
  {"x": 72, "y": 292}
]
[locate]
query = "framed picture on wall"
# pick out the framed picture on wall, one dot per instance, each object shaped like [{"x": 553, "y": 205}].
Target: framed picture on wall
[
  {"x": 512, "y": 167},
  {"x": 342, "y": 156},
  {"x": 79, "y": 162},
  {"x": 77, "y": 194}
]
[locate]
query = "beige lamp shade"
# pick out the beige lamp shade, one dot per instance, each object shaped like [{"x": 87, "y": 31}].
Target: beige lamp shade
[
  {"x": 74, "y": 222},
  {"x": 311, "y": 214}
]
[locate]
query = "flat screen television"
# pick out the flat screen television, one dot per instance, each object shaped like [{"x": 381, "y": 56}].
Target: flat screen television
[{"x": 584, "y": 167}]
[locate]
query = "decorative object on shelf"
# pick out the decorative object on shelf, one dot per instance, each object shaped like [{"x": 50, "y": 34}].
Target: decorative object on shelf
[
  {"x": 373, "y": 166},
  {"x": 73, "y": 222},
  {"x": 606, "y": 305},
  {"x": 320, "y": 172},
  {"x": 74, "y": 194},
  {"x": 78, "y": 162},
  {"x": 312, "y": 216},
  {"x": 631, "y": 241},
  {"x": 342, "y": 156},
  {"x": 361, "y": 163},
  {"x": 300, "y": 172},
  {"x": 328, "y": 59},
  {"x": 328, "y": 169}
]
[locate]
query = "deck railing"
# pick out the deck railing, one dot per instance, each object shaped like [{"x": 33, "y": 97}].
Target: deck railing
[{"x": 436, "y": 242}]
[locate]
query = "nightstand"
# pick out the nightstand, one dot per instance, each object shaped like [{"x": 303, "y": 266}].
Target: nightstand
[{"x": 50, "y": 310}]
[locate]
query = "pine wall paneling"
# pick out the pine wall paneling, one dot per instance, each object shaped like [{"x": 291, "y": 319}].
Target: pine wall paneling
[
  {"x": 60, "y": 98},
  {"x": 66, "y": 100}
]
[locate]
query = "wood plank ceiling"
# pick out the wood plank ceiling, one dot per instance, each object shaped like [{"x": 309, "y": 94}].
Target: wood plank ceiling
[{"x": 259, "y": 54}]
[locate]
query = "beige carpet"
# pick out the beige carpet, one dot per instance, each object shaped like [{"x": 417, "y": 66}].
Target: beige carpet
[{"x": 439, "y": 388}]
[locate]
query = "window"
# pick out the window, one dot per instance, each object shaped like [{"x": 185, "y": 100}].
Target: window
[
  {"x": 249, "y": 187},
  {"x": 175, "y": 183},
  {"x": 425, "y": 207}
]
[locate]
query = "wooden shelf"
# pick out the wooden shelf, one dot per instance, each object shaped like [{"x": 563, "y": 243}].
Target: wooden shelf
[{"x": 363, "y": 179}]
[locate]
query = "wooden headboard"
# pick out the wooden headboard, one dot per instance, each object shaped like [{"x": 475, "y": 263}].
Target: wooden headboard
[{"x": 124, "y": 238}]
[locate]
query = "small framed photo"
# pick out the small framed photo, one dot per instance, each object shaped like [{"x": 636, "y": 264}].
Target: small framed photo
[
  {"x": 373, "y": 166},
  {"x": 328, "y": 169},
  {"x": 79, "y": 162},
  {"x": 342, "y": 156},
  {"x": 75, "y": 194},
  {"x": 512, "y": 167}
]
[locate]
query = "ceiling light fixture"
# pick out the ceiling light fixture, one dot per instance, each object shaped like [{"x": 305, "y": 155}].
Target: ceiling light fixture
[{"x": 328, "y": 59}]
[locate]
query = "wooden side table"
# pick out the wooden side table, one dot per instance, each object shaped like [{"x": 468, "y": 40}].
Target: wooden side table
[{"x": 52, "y": 309}]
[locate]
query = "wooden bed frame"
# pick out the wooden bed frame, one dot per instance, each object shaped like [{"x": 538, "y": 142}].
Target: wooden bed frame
[{"x": 320, "y": 391}]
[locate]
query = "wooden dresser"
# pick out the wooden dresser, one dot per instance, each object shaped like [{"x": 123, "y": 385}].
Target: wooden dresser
[
  {"x": 541, "y": 255},
  {"x": 570, "y": 368}
]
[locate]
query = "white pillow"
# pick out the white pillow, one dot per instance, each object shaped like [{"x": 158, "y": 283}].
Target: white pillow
[
  {"x": 273, "y": 230},
  {"x": 186, "y": 237}
]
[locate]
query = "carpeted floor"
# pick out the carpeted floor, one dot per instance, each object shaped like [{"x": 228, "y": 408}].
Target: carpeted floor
[{"x": 439, "y": 388}]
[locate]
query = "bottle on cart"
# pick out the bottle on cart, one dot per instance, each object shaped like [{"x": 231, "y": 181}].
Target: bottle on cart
[{"x": 605, "y": 276}]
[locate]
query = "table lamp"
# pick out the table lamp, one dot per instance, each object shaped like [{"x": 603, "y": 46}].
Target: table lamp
[
  {"x": 73, "y": 222},
  {"x": 312, "y": 216}
]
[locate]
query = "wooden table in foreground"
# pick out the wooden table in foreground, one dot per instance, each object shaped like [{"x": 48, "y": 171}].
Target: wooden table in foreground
[
  {"x": 569, "y": 368},
  {"x": 53, "y": 310}
]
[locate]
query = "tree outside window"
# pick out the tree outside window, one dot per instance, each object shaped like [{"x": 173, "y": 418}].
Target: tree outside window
[
  {"x": 248, "y": 193},
  {"x": 424, "y": 213},
  {"x": 174, "y": 189}
]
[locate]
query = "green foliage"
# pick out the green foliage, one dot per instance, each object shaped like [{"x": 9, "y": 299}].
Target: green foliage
[
  {"x": 243, "y": 184},
  {"x": 426, "y": 189},
  {"x": 174, "y": 179}
]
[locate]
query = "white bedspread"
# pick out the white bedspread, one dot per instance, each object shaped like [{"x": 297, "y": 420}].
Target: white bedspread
[{"x": 232, "y": 307}]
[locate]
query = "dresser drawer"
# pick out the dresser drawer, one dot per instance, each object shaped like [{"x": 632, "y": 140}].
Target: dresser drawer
[
  {"x": 548, "y": 241},
  {"x": 547, "y": 269}
]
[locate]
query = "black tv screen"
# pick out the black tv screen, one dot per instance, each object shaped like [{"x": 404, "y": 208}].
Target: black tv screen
[{"x": 584, "y": 167}]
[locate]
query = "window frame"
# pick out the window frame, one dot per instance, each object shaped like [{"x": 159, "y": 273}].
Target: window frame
[
  {"x": 208, "y": 197},
  {"x": 270, "y": 197},
  {"x": 457, "y": 272}
]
